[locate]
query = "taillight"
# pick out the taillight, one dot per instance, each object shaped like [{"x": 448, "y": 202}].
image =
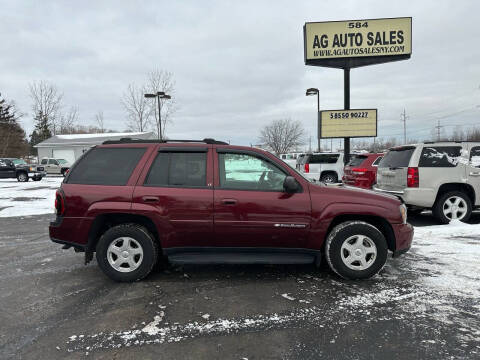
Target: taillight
[
  {"x": 359, "y": 171},
  {"x": 412, "y": 177},
  {"x": 306, "y": 168},
  {"x": 59, "y": 203}
]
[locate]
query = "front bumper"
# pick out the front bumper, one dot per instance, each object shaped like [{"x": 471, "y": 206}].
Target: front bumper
[
  {"x": 403, "y": 236},
  {"x": 36, "y": 174}
]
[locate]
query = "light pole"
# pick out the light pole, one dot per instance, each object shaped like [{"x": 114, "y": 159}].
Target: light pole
[
  {"x": 159, "y": 95},
  {"x": 311, "y": 92}
]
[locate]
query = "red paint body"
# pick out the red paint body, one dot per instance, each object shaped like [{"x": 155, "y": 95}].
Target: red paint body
[
  {"x": 214, "y": 217},
  {"x": 363, "y": 175}
]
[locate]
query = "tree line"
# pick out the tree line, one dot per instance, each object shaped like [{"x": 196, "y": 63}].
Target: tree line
[{"x": 50, "y": 117}]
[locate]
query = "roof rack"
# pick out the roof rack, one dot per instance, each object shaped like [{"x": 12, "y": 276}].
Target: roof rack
[{"x": 146, "y": 141}]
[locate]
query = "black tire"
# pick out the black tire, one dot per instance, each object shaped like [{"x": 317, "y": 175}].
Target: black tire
[
  {"x": 22, "y": 177},
  {"x": 142, "y": 237},
  {"x": 37, "y": 179},
  {"x": 329, "y": 178},
  {"x": 63, "y": 172},
  {"x": 339, "y": 235},
  {"x": 441, "y": 202}
]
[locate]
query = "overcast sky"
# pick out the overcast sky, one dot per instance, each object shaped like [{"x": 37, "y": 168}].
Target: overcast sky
[{"x": 238, "y": 64}]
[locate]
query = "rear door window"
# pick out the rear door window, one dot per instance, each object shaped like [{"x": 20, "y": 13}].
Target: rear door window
[
  {"x": 440, "y": 156},
  {"x": 357, "y": 160},
  {"x": 475, "y": 157},
  {"x": 397, "y": 158},
  {"x": 106, "y": 166},
  {"x": 323, "y": 158},
  {"x": 178, "y": 169}
]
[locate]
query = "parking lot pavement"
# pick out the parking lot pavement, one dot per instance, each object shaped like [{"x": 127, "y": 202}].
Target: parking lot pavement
[{"x": 423, "y": 305}]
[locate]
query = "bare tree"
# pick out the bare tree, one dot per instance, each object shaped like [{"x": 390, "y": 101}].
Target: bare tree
[
  {"x": 100, "y": 121},
  {"x": 46, "y": 102},
  {"x": 67, "y": 121},
  {"x": 282, "y": 136},
  {"x": 137, "y": 107},
  {"x": 161, "y": 80}
]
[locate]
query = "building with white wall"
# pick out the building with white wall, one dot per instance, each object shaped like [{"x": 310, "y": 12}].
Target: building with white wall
[{"x": 70, "y": 147}]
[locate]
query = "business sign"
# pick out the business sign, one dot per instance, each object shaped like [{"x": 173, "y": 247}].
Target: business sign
[
  {"x": 374, "y": 40},
  {"x": 348, "y": 123}
]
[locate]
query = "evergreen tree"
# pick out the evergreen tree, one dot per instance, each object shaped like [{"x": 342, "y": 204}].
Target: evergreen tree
[
  {"x": 41, "y": 132},
  {"x": 12, "y": 136}
]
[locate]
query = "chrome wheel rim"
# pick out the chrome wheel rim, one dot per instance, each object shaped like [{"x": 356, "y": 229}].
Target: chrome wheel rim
[
  {"x": 22, "y": 177},
  {"x": 455, "y": 208},
  {"x": 358, "y": 252},
  {"x": 328, "y": 179},
  {"x": 125, "y": 254}
]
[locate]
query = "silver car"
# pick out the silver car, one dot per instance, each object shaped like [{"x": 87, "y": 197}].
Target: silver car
[{"x": 442, "y": 176}]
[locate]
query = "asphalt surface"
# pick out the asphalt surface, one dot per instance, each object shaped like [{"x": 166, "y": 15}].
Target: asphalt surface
[{"x": 54, "y": 307}]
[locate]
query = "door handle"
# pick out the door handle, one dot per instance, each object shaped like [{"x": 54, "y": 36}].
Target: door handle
[
  {"x": 150, "y": 199},
  {"x": 229, "y": 201},
  {"x": 474, "y": 174}
]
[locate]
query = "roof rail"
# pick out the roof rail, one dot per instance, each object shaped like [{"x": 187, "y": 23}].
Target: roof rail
[{"x": 147, "y": 141}]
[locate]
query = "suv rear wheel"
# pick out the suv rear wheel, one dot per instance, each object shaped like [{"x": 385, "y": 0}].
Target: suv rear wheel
[
  {"x": 127, "y": 252},
  {"x": 356, "y": 250},
  {"x": 329, "y": 178},
  {"x": 453, "y": 205}
]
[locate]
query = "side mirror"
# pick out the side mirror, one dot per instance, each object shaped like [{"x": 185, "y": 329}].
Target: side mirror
[{"x": 290, "y": 185}]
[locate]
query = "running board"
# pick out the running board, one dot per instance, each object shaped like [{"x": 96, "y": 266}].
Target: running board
[{"x": 241, "y": 258}]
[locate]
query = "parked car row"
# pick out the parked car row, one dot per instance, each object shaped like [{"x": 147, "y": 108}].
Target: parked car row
[
  {"x": 440, "y": 176},
  {"x": 19, "y": 169}
]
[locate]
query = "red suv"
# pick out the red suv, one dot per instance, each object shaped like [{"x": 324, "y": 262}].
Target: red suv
[
  {"x": 134, "y": 202},
  {"x": 361, "y": 170}
]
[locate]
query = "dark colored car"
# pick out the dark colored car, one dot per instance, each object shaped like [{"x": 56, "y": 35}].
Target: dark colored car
[
  {"x": 361, "y": 170},
  {"x": 135, "y": 202},
  {"x": 19, "y": 169}
]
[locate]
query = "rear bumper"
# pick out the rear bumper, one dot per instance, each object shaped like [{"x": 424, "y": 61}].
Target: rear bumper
[
  {"x": 420, "y": 197},
  {"x": 69, "y": 231},
  {"x": 403, "y": 238}
]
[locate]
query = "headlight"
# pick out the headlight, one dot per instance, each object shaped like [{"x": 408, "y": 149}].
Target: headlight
[{"x": 403, "y": 212}]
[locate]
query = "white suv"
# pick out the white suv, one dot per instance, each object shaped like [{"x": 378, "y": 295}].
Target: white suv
[
  {"x": 326, "y": 167},
  {"x": 442, "y": 176}
]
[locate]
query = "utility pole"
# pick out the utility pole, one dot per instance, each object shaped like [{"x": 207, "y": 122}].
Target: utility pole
[
  {"x": 438, "y": 127},
  {"x": 310, "y": 144},
  {"x": 404, "y": 117}
]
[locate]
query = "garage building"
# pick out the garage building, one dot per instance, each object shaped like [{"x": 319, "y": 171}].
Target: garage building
[{"x": 71, "y": 147}]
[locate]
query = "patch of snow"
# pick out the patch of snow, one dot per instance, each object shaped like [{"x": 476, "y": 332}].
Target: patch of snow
[
  {"x": 288, "y": 297},
  {"x": 88, "y": 136},
  {"x": 37, "y": 197},
  {"x": 152, "y": 328}
]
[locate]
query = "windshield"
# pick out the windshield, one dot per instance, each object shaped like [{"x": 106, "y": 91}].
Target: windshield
[
  {"x": 19, "y": 162},
  {"x": 396, "y": 158},
  {"x": 62, "y": 161}
]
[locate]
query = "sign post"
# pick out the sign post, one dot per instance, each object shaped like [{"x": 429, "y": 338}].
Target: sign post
[{"x": 354, "y": 43}]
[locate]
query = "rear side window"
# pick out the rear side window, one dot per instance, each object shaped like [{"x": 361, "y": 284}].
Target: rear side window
[
  {"x": 106, "y": 166},
  {"x": 475, "y": 157},
  {"x": 399, "y": 157},
  {"x": 357, "y": 160},
  {"x": 323, "y": 158},
  {"x": 377, "y": 161},
  {"x": 440, "y": 156},
  {"x": 178, "y": 169}
]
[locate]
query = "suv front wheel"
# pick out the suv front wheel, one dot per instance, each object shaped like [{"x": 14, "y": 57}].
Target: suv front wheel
[
  {"x": 127, "y": 252},
  {"x": 453, "y": 205},
  {"x": 356, "y": 250}
]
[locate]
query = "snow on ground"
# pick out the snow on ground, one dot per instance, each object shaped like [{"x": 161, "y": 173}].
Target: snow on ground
[{"x": 28, "y": 198}]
